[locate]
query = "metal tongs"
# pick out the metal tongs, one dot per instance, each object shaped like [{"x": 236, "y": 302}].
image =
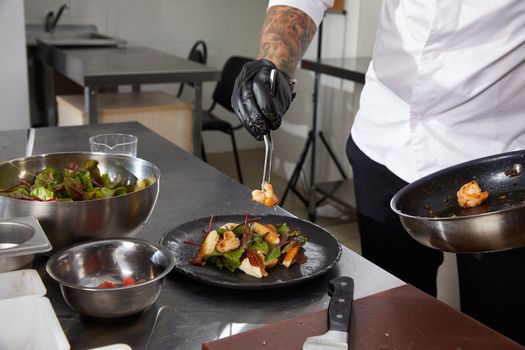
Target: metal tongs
[{"x": 268, "y": 143}]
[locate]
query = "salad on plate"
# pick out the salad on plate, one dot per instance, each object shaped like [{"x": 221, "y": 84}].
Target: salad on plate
[{"x": 252, "y": 247}]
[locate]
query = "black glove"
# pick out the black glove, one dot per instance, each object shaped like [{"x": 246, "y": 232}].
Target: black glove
[{"x": 252, "y": 100}]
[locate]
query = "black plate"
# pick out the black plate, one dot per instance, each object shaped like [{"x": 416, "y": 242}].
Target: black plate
[{"x": 322, "y": 251}]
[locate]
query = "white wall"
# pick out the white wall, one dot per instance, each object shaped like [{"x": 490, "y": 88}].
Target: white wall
[{"x": 14, "y": 94}]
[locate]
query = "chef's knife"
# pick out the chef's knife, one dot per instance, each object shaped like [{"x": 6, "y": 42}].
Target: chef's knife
[{"x": 341, "y": 289}]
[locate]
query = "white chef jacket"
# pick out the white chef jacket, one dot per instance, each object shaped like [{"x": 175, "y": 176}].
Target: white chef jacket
[{"x": 446, "y": 83}]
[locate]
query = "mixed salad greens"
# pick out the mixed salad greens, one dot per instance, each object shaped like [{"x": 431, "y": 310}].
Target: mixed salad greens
[
  {"x": 74, "y": 183},
  {"x": 251, "y": 247}
]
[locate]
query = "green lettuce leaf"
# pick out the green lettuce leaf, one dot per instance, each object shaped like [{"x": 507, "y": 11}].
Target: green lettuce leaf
[
  {"x": 42, "y": 193},
  {"x": 118, "y": 191},
  {"x": 260, "y": 246},
  {"x": 86, "y": 181},
  {"x": 101, "y": 192},
  {"x": 20, "y": 192},
  {"x": 239, "y": 229},
  {"x": 47, "y": 178},
  {"x": 275, "y": 253},
  {"x": 220, "y": 231},
  {"x": 91, "y": 166},
  {"x": 230, "y": 260},
  {"x": 283, "y": 229},
  {"x": 256, "y": 238},
  {"x": 106, "y": 181}
]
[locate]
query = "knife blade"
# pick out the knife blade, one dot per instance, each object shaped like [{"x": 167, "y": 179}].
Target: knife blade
[{"x": 341, "y": 289}]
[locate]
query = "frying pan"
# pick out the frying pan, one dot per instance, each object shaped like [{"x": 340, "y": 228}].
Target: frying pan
[{"x": 429, "y": 210}]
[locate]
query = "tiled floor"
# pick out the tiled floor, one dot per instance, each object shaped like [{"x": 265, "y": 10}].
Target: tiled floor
[{"x": 337, "y": 220}]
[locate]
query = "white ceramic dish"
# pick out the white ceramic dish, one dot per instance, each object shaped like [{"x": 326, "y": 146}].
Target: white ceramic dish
[
  {"x": 21, "y": 284},
  {"x": 30, "y": 324}
]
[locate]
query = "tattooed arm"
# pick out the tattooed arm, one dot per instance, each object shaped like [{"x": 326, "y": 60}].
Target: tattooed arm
[
  {"x": 286, "y": 34},
  {"x": 259, "y": 101}
]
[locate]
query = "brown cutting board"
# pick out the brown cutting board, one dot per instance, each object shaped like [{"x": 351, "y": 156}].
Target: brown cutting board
[{"x": 399, "y": 318}]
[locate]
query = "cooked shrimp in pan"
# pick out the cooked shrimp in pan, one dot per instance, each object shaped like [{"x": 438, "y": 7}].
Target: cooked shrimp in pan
[
  {"x": 470, "y": 195},
  {"x": 265, "y": 196}
]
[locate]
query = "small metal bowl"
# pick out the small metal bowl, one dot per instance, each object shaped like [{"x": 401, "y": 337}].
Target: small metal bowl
[{"x": 81, "y": 269}]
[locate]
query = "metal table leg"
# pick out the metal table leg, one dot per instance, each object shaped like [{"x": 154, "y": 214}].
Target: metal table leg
[
  {"x": 197, "y": 120},
  {"x": 312, "y": 199},
  {"x": 90, "y": 104},
  {"x": 49, "y": 95}
]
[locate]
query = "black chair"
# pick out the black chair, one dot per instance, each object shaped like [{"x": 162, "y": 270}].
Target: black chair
[
  {"x": 198, "y": 53},
  {"x": 222, "y": 96}
]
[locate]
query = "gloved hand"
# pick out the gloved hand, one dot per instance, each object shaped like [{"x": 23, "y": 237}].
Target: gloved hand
[{"x": 252, "y": 100}]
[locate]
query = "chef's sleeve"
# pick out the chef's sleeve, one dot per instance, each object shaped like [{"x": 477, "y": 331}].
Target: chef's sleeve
[{"x": 315, "y": 9}]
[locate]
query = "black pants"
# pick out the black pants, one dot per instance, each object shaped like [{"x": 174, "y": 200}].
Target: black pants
[
  {"x": 384, "y": 241},
  {"x": 492, "y": 285},
  {"x": 492, "y": 290}
]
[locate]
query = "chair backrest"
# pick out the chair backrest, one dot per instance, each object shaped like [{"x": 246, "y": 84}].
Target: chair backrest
[
  {"x": 224, "y": 88},
  {"x": 198, "y": 53}
]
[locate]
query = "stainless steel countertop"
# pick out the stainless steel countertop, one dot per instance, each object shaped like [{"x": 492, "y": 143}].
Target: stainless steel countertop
[
  {"x": 35, "y": 32},
  {"x": 188, "y": 313},
  {"x": 113, "y": 66}
]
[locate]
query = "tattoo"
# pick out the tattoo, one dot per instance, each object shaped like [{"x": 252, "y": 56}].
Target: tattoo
[{"x": 286, "y": 34}]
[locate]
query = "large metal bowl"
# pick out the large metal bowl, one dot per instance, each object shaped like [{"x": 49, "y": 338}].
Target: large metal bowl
[
  {"x": 66, "y": 223},
  {"x": 81, "y": 269}
]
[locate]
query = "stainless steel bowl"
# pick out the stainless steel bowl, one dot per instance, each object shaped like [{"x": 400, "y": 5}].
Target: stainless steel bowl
[
  {"x": 80, "y": 269},
  {"x": 66, "y": 223}
]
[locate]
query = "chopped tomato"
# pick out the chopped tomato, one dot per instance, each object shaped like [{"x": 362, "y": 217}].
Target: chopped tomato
[
  {"x": 128, "y": 281},
  {"x": 107, "y": 284}
]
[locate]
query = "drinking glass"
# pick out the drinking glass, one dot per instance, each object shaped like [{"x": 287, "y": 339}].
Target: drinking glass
[{"x": 114, "y": 144}]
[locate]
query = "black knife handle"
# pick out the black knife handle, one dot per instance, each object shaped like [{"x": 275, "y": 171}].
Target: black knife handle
[{"x": 341, "y": 289}]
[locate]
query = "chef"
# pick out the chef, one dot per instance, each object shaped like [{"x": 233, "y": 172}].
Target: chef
[{"x": 445, "y": 86}]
